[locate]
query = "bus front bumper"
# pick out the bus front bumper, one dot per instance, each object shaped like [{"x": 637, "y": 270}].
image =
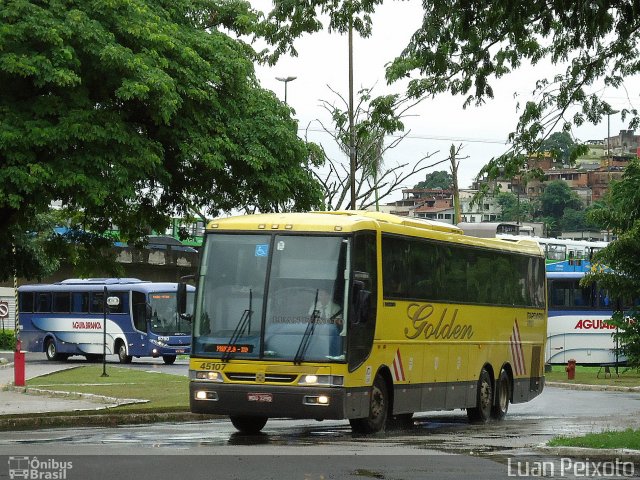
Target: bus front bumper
[{"x": 267, "y": 400}]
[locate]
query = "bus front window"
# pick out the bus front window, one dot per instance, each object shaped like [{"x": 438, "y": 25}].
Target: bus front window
[
  {"x": 294, "y": 314},
  {"x": 305, "y": 319},
  {"x": 231, "y": 289},
  {"x": 164, "y": 317}
]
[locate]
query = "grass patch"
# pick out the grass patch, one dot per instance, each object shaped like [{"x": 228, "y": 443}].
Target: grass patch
[
  {"x": 164, "y": 392},
  {"x": 595, "y": 376},
  {"x": 626, "y": 439}
]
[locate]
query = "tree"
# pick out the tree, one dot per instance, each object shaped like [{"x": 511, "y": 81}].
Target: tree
[
  {"x": 375, "y": 120},
  {"x": 557, "y": 197},
  {"x": 439, "y": 179},
  {"x": 461, "y": 47},
  {"x": 512, "y": 210},
  {"x": 131, "y": 113},
  {"x": 619, "y": 212},
  {"x": 562, "y": 147}
]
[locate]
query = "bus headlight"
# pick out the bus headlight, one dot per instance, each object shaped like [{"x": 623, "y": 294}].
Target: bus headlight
[
  {"x": 208, "y": 376},
  {"x": 322, "y": 380},
  {"x": 158, "y": 343}
]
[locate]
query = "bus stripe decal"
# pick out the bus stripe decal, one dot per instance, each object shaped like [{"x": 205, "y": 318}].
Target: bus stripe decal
[
  {"x": 398, "y": 370},
  {"x": 516, "y": 350}
]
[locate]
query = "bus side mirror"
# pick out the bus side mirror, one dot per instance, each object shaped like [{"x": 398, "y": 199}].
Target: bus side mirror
[{"x": 182, "y": 298}]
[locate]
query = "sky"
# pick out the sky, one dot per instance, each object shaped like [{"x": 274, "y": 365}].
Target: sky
[{"x": 435, "y": 124}]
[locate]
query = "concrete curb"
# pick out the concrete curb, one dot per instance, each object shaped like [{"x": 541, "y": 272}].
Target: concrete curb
[
  {"x": 72, "y": 419},
  {"x": 598, "y": 388},
  {"x": 622, "y": 454}
]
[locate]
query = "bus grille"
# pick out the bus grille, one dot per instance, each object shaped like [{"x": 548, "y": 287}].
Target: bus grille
[{"x": 268, "y": 377}]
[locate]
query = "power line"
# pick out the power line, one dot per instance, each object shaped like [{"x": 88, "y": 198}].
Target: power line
[{"x": 423, "y": 137}]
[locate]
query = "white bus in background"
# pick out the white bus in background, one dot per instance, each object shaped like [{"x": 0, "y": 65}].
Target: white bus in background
[
  {"x": 577, "y": 328},
  {"x": 565, "y": 255}
]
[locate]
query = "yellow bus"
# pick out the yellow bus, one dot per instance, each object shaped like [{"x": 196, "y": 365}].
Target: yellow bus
[{"x": 363, "y": 316}]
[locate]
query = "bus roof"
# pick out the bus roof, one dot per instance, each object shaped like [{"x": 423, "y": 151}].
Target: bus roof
[
  {"x": 337, "y": 221},
  {"x": 95, "y": 284},
  {"x": 350, "y": 221},
  {"x": 568, "y": 275}
]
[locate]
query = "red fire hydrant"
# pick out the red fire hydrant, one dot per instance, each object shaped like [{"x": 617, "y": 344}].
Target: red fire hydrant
[
  {"x": 571, "y": 369},
  {"x": 18, "y": 366}
]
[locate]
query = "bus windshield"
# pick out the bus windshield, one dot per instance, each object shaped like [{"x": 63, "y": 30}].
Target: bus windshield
[
  {"x": 164, "y": 317},
  {"x": 279, "y": 297}
]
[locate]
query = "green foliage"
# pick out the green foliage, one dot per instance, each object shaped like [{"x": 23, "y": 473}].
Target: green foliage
[
  {"x": 132, "y": 113},
  {"x": 512, "y": 209},
  {"x": 462, "y": 47},
  {"x": 627, "y": 335},
  {"x": 557, "y": 197},
  {"x": 439, "y": 179},
  {"x": 619, "y": 212},
  {"x": 7, "y": 340},
  {"x": 563, "y": 147}
]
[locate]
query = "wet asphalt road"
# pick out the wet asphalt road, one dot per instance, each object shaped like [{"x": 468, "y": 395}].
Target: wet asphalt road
[{"x": 438, "y": 445}]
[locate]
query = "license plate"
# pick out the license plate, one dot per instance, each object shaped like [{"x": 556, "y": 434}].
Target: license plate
[
  {"x": 260, "y": 397},
  {"x": 180, "y": 351}
]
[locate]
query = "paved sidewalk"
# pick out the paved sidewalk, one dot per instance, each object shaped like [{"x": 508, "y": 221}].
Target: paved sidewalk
[{"x": 16, "y": 401}]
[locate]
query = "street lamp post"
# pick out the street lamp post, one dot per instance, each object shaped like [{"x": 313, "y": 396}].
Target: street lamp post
[
  {"x": 286, "y": 80},
  {"x": 609, "y": 113}
]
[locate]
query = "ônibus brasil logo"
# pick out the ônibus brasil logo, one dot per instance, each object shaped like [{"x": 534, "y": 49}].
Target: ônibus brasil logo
[{"x": 33, "y": 468}]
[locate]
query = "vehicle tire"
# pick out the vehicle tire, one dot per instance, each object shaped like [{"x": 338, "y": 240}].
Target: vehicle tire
[
  {"x": 503, "y": 395},
  {"x": 247, "y": 424},
  {"x": 169, "y": 359},
  {"x": 484, "y": 399},
  {"x": 378, "y": 410},
  {"x": 51, "y": 350},
  {"x": 121, "y": 348}
]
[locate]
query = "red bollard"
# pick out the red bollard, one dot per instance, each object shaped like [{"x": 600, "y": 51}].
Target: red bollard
[
  {"x": 18, "y": 366},
  {"x": 571, "y": 369}
]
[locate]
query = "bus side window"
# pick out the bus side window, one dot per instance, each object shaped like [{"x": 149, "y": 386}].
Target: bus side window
[
  {"x": 80, "y": 302},
  {"x": 43, "y": 302},
  {"x": 61, "y": 302},
  {"x": 96, "y": 302},
  {"x": 26, "y": 302},
  {"x": 123, "y": 306}
]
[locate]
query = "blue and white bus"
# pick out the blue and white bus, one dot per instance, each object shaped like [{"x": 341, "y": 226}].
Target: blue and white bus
[
  {"x": 66, "y": 318},
  {"x": 577, "y": 327}
]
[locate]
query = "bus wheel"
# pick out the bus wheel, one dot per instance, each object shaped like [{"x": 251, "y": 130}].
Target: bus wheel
[
  {"x": 121, "y": 348},
  {"x": 503, "y": 392},
  {"x": 484, "y": 399},
  {"x": 248, "y": 424},
  {"x": 52, "y": 351},
  {"x": 169, "y": 359},
  {"x": 378, "y": 410}
]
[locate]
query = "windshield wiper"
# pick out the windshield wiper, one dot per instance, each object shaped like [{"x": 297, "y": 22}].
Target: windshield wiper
[
  {"x": 244, "y": 322},
  {"x": 308, "y": 332}
]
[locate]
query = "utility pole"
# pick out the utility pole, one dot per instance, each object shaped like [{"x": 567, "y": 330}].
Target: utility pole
[
  {"x": 456, "y": 191},
  {"x": 352, "y": 133}
]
